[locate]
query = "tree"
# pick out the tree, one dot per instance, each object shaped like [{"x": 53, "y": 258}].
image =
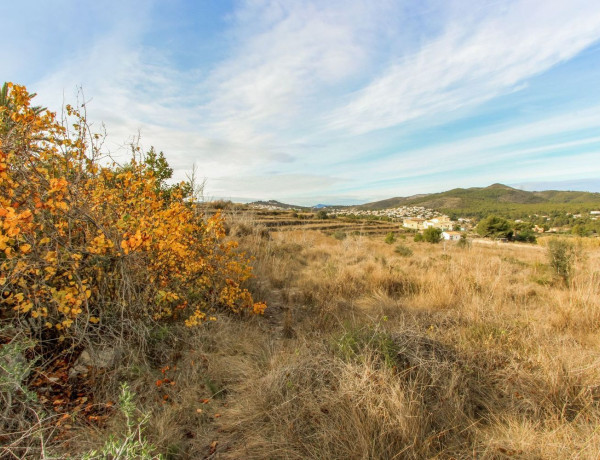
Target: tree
[
  {"x": 322, "y": 214},
  {"x": 525, "y": 236},
  {"x": 157, "y": 163},
  {"x": 523, "y": 231},
  {"x": 390, "y": 238},
  {"x": 432, "y": 235},
  {"x": 495, "y": 227}
]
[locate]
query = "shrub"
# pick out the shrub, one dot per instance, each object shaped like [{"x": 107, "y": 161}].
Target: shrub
[
  {"x": 322, "y": 214},
  {"x": 403, "y": 250},
  {"x": 418, "y": 237},
  {"x": 339, "y": 235},
  {"x": 390, "y": 238},
  {"x": 495, "y": 227},
  {"x": 133, "y": 444},
  {"x": 464, "y": 242},
  {"x": 525, "y": 236},
  {"x": 432, "y": 235},
  {"x": 561, "y": 256},
  {"x": 221, "y": 204},
  {"x": 83, "y": 244}
]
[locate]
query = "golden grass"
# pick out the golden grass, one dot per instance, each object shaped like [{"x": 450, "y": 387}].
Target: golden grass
[{"x": 364, "y": 353}]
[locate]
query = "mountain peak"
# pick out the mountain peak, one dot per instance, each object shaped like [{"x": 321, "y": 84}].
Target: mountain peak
[{"x": 501, "y": 186}]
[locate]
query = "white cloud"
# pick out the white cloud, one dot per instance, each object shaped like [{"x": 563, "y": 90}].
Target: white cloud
[
  {"x": 479, "y": 56},
  {"x": 305, "y": 85}
]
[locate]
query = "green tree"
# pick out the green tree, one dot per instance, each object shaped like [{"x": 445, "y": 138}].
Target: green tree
[
  {"x": 495, "y": 227},
  {"x": 523, "y": 231},
  {"x": 157, "y": 163},
  {"x": 390, "y": 238},
  {"x": 322, "y": 214},
  {"x": 432, "y": 235},
  {"x": 525, "y": 236}
]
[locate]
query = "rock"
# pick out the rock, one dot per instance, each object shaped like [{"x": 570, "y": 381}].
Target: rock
[{"x": 99, "y": 359}]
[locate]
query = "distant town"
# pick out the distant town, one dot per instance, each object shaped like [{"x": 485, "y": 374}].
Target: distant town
[{"x": 418, "y": 218}]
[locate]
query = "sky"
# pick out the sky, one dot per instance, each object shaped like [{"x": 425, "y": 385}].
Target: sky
[{"x": 332, "y": 101}]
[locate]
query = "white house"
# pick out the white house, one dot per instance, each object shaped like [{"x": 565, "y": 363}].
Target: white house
[
  {"x": 451, "y": 236},
  {"x": 442, "y": 222}
]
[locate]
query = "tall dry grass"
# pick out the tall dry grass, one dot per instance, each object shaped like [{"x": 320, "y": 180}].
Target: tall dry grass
[
  {"x": 487, "y": 355},
  {"x": 364, "y": 353}
]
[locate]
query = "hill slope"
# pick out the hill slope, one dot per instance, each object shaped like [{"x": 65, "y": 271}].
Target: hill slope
[{"x": 496, "y": 198}]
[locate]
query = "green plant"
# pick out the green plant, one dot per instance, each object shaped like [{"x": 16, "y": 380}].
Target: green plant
[
  {"x": 133, "y": 444},
  {"x": 464, "y": 242},
  {"x": 418, "y": 237},
  {"x": 525, "y": 236},
  {"x": 14, "y": 370},
  {"x": 390, "y": 238},
  {"x": 403, "y": 250},
  {"x": 322, "y": 214},
  {"x": 432, "y": 235},
  {"x": 561, "y": 256},
  {"x": 495, "y": 227},
  {"x": 339, "y": 235},
  {"x": 356, "y": 344}
]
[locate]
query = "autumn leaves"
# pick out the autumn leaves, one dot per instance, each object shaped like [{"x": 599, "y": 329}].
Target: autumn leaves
[{"x": 82, "y": 241}]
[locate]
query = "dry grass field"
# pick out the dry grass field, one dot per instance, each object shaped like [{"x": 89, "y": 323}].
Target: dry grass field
[
  {"x": 371, "y": 350},
  {"x": 368, "y": 351}
]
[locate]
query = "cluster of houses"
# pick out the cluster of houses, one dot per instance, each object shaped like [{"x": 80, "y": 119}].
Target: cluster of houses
[
  {"x": 442, "y": 222},
  {"x": 394, "y": 214},
  {"x": 267, "y": 207}
]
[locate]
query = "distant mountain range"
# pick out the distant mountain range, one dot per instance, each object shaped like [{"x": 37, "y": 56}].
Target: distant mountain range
[
  {"x": 497, "y": 198},
  {"x": 480, "y": 201}
]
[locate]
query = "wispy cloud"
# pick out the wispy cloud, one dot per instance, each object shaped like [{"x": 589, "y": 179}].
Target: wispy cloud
[
  {"x": 477, "y": 57},
  {"x": 306, "y": 99}
]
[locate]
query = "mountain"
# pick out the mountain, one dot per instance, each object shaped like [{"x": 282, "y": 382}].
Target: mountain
[
  {"x": 481, "y": 201},
  {"x": 498, "y": 199},
  {"x": 277, "y": 204}
]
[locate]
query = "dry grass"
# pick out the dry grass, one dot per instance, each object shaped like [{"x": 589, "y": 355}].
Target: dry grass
[{"x": 365, "y": 353}]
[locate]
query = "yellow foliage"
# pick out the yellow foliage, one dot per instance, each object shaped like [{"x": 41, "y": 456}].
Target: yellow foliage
[{"x": 80, "y": 239}]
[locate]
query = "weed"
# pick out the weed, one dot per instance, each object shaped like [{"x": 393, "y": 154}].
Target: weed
[{"x": 133, "y": 444}]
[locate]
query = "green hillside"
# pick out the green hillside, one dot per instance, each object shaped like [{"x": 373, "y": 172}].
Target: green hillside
[{"x": 497, "y": 199}]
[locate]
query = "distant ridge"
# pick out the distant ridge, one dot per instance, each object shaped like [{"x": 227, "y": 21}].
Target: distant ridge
[
  {"x": 481, "y": 201},
  {"x": 277, "y": 204},
  {"x": 496, "y": 198}
]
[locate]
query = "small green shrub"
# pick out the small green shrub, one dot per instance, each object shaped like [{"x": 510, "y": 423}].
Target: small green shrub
[
  {"x": 418, "y": 238},
  {"x": 355, "y": 344},
  {"x": 403, "y": 250},
  {"x": 464, "y": 242},
  {"x": 390, "y": 238},
  {"x": 339, "y": 235},
  {"x": 561, "y": 256},
  {"x": 134, "y": 444}
]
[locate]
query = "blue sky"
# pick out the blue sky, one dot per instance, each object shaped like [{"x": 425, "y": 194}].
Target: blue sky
[{"x": 338, "y": 101}]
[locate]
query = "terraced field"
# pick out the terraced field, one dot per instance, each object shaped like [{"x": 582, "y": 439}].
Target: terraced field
[{"x": 278, "y": 221}]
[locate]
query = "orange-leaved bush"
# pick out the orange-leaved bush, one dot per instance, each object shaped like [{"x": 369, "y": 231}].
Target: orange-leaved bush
[{"x": 83, "y": 243}]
